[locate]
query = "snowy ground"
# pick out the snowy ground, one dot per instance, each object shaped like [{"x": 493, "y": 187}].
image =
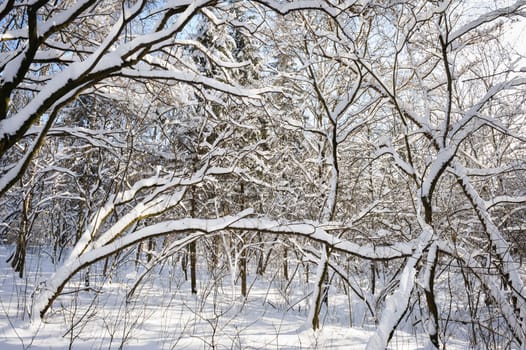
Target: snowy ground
[{"x": 163, "y": 314}]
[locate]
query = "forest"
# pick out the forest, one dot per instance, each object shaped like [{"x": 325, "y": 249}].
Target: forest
[{"x": 262, "y": 174}]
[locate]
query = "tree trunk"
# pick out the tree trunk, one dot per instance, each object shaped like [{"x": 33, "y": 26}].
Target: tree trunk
[
  {"x": 432, "y": 330},
  {"x": 285, "y": 264},
  {"x": 192, "y": 247},
  {"x": 320, "y": 290},
  {"x": 18, "y": 258},
  {"x": 243, "y": 272},
  {"x": 193, "y": 266}
]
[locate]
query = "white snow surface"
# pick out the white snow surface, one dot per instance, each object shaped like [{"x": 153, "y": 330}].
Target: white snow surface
[{"x": 163, "y": 314}]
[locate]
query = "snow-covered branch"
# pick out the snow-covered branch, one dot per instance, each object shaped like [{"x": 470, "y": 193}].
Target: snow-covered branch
[
  {"x": 396, "y": 305},
  {"x": 514, "y": 9}
]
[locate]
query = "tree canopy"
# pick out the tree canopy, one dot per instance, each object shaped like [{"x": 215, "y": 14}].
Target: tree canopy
[{"x": 370, "y": 138}]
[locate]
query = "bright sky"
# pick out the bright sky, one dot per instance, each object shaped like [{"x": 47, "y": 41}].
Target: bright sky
[{"x": 517, "y": 35}]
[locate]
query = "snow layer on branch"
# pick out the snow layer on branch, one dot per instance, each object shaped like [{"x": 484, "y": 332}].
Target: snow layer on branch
[
  {"x": 315, "y": 232},
  {"x": 108, "y": 207},
  {"x": 332, "y": 10},
  {"x": 492, "y": 282},
  {"x": 396, "y": 304},
  {"x": 105, "y": 245},
  {"x": 104, "y": 59},
  {"x": 514, "y": 166},
  {"x": 12, "y": 173},
  {"x": 486, "y": 18},
  {"x": 387, "y": 148},
  {"x": 499, "y": 244},
  {"x": 73, "y": 72},
  {"x": 193, "y": 78},
  {"x": 440, "y": 163},
  {"x": 153, "y": 204},
  {"x": 457, "y": 134},
  {"x": 61, "y": 18},
  {"x": 317, "y": 291},
  {"x": 504, "y": 200},
  {"x": 52, "y": 285},
  {"x": 10, "y": 176}
]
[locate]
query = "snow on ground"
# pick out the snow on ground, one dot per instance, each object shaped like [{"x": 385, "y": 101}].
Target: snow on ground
[{"x": 162, "y": 314}]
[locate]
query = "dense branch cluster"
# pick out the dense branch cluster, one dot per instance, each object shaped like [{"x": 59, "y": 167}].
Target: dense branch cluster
[{"x": 373, "y": 139}]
